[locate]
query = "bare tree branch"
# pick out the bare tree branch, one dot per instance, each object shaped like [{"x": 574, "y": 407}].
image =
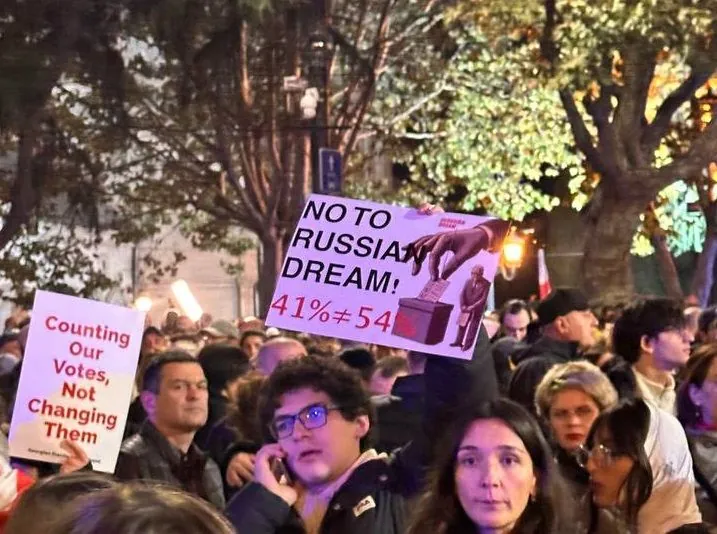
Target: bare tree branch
[
  {"x": 661, "y": 124},
  {"x": 583, "y": 139}
]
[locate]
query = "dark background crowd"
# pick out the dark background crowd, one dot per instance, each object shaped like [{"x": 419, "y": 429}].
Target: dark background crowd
[{"x": 567, "y": 418}]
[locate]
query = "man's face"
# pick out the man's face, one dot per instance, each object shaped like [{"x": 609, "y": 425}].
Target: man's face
[
  {"x": 251, "y": 345},
  {"x": 516, "y": 325},
  {"x": 578, "y": 326},
  {"x": 320, "y": 455},
  {"x": 182, "y": 401},
  {"x": 670, "y": 349}
]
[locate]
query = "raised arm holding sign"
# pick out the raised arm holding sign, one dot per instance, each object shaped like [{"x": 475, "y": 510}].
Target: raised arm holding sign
[{"x": 353, "y": 270}]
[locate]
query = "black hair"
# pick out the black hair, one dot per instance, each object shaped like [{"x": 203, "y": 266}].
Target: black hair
[
  {"x": 513, "y": 307},
  {"x": 153, "y": 373},
  {"x": 332, "y": 377},
  {"x": 361, "y": 360},
  {"x": 440, "y": 509},
  {"x": 695, "y": 374},
  {"x": 391, "y": 366},
  {"x": 707, "y": 317},
  {"x": 646, "y": 317},
  {"x": 628, "y": 424},
  {"x": 622, "y": 377},
  {"x": 222, "y": 364},
  {"x": 151, "y": 330},
  {"x": 251, "y": 333}
]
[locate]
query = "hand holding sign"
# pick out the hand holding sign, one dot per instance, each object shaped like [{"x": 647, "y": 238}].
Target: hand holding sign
[{"x": 76, "y": 457}]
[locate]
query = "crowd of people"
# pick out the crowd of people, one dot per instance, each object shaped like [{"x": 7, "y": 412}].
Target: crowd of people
[{"x": 567, "y": 419}]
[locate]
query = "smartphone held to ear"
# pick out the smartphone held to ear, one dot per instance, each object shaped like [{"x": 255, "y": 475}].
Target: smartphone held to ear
[{"x": 281, "y": 471}]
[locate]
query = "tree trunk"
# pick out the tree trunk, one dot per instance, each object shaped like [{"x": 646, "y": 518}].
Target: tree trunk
[
  {"x": 704, "y": 272},
  {"x": 666, "y": 265},
  {"x": 606, "y": 266},
  {"x": 270, "y": 264}
]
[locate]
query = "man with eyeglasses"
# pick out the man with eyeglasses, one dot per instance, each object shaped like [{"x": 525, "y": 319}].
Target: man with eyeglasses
[
  {"x": 652, "y": 336},
  {"x": 319, "y": 474},
  {"x": 175, "y": 397}
]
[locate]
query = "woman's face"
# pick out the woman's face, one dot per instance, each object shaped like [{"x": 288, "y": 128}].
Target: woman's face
[
  {"x": 608, "y": 470},
  {"x": 494, "y": 475},
  {"x": 572, "y": 413},
  {"x": 705, "y": 397}
]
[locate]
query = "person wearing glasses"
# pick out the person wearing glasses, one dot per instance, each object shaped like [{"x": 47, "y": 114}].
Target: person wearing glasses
[
  {"x": 318, "y": 474},
  {"x": 568, "y": 400},
  {"x": 640, "y": 467}
]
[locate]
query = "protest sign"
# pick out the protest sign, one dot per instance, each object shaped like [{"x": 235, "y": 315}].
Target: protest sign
[
  {"x": 77, "y": 377},
  {"x": 388, "y": 275}
]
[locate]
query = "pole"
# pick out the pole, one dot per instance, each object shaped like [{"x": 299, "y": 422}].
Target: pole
[{"x": 318, "y": 76}]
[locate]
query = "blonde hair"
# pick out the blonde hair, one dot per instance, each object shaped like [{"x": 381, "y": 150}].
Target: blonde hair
[{"x": 581, "y": 375}]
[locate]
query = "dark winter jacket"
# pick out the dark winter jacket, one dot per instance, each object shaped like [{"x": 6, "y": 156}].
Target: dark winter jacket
[
  {"x": 534, "y": 364},
  {"x": 375, "y": 497}
]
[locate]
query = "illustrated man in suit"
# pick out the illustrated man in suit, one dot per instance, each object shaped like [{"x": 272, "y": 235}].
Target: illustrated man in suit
[{"x": 473, "y": 298}]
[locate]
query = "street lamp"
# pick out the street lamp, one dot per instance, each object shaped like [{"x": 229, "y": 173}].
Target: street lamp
[{"x": 512, "y": 254}]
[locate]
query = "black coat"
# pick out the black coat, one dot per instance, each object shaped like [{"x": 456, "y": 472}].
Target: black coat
[
  {"x": 534, "y": 364},
  {"x": 375, "y": 497}
]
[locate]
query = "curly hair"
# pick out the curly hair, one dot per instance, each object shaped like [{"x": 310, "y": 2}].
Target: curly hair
[
  {"x": 330, "y": 376},
  {"x": 243, "y": 416}
]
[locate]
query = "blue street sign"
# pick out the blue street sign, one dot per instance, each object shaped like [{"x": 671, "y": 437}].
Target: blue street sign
[{"x": 330, "y": 171}]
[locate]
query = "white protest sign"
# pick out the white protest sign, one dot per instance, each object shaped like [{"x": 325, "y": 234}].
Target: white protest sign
[
  {"x": 77, "y": 377},
  {"x": 389, "y": 275}
]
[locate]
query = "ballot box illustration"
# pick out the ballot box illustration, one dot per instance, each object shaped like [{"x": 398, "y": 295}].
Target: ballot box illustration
[{"x": 422, "y": 320}]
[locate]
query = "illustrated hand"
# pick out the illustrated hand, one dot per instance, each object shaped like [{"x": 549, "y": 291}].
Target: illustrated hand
[
  {"x": 429, "y": 209},
  {"x": 464, "y": 244},
  {"x": 264, "y": 474},
  {"x": 76, "y": 459},
  {"x": 240, "y": 469}
]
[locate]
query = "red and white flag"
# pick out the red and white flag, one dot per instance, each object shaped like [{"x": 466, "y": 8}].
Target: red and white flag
[{"x": 544, "y": 287}]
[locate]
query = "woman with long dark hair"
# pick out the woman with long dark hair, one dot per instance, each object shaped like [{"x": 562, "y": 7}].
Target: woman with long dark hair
[
  {"x": 640, "y": 467},
  {"x": 494, "y": 473},
  {"x": 697, "y": 411}
]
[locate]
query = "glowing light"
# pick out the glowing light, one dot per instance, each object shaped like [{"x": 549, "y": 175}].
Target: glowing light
[
  {"x": 186, "y": 300},
  {"x": 513, "y": 250},
  {"x": 143, "y": 304}
]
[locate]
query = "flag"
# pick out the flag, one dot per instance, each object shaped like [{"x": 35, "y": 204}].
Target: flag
[{"x": 544, "y": 287}]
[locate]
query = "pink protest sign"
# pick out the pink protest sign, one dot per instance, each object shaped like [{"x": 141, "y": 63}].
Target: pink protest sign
[
  {"x": 77, "y": 377},
  {"x": 388, "y": 275}
]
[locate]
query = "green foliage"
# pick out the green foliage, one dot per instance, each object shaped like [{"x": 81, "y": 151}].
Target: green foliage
[
  {"x": 492, "y": 130},
  {"x": 685, "y": 228}
]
